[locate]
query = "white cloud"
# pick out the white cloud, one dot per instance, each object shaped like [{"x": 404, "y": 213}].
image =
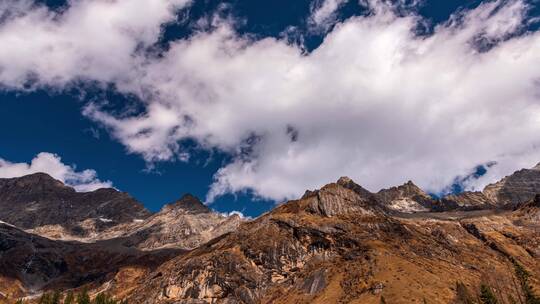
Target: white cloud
[
  {"x": 92, "y": 39},
  {"x": 323, "y": 13},
  {"x": 375, "y": 101},
  {"x": 51, "y": 164},
  {"x": 238, "y": 213}
]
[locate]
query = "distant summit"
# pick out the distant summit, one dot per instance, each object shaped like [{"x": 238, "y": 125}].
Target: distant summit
[
  {"x": 406, "y": 198},
  {"x": 189, "y": 204},
  {"x": 38, "y": 200},
  {"x": 508, "y": 193},
  {"x": 515, "y": 189}
]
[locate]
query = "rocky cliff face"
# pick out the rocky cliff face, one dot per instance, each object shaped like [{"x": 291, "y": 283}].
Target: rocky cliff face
[
  {"x": 468, "y": 201},
  {"x": 406, "y": 198},
  {"x": 515, "y": 189},
  {"x": 186, "y": 223},
  {"x": 38, "y": 200},
  {"x": 336, "y": 245},
  {"x": 510, "y": 192}
]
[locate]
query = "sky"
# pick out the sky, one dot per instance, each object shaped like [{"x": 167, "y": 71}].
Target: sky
[{"x": 246, "y": 104}]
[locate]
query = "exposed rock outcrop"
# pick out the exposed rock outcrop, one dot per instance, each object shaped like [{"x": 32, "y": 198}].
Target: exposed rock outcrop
[
  {"x": 467, "y": 201},
  {"x": 515, "y": 189},
  {"x": 407, "y": 198},
  {"x": 508, "y": 193},
  {"x": 186, "y": 223}
]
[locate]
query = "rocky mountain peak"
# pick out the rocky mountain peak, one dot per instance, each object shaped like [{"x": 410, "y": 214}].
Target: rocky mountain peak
[
  {"x": 321, "y": 247},
  {"x": 515, "y": 189},
  {"x": 406, "y": 198},
  {"x": 335, "y": 199},
  {"x": 189, "y": 204},
  {"x": 35, "y": 182},
  {"x": 38, "y": 177},
  {"x": 344, "y": 180},
  {"x": 410, "y": 188},
  {"x": 38, "y": 200},
  {"x": 348, "y": 183}
]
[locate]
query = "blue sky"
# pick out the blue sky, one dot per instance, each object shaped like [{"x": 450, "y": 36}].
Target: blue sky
[
  {"x": 42, "y": 114},
  {"x": 41, "y": 121}
]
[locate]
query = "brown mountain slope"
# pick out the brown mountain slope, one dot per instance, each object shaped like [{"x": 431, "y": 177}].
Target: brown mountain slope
[
  {"x": 30, "y": 263},
  {"x": 337, "y": 245}
]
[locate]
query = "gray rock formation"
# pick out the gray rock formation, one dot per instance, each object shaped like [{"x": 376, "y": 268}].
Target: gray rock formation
[
  {"x": 186, "y": 223},
  {"x": 468, "y": 201},
  {"x": 515, "y": 189},
  {"x": 508, "y": 193}
]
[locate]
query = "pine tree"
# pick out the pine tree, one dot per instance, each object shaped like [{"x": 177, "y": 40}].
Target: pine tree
[
  {"x": 45, "y": 298},
  {"x": 83, "y": 298},
  {"x": 104, "y": 298},
  {"x": 69, "y": 298},
  {"x": 487, "y": 296},
  {"x": 523, "y": 276},
  {"x": 463, "y": 294},
  {"x": 55, "y": 298}
]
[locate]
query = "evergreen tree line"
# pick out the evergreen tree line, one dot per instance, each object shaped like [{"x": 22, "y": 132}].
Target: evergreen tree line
[
  {"x": 487, "y": 296},
  {"x": 523, "y": 276},
  {"x": 71, "y": 298}
]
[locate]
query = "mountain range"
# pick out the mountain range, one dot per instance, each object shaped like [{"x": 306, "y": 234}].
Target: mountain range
[{"x": 337, "y": 244}]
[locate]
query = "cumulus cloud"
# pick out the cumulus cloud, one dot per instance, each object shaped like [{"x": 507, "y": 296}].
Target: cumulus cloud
[
  {"x": 52, "y": 164},
  {"x": 375, "y": 101},
  {"x": 89, "y": 40}
]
